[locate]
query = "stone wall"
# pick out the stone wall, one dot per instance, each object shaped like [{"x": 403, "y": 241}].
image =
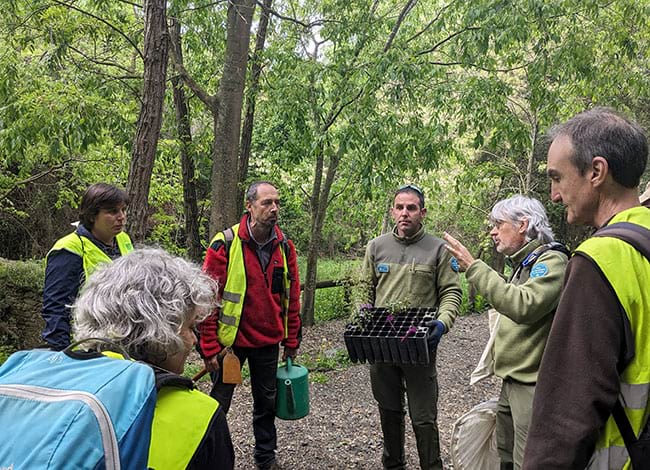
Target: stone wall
[{"x": 21, "y": 290}]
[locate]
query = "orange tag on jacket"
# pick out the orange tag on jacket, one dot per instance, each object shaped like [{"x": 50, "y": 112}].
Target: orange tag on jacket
[{"x": 231, "y": 369}]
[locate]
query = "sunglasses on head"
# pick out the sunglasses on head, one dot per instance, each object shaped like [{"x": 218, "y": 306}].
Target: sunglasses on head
[{"x": 413, "y": 187}]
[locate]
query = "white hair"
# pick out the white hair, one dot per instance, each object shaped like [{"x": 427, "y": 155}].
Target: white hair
[
  {"x": 141, "y": 301},
  {"x": 519, "y": 208}
]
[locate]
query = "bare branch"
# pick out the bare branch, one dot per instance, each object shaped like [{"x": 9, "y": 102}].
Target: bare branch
[
  {"x": 432, "y": 22},
  {"x": 211, "y": 101},
  {"x": 124, "y": 80},
  {"x": 133, "y": 4},
  {"x": 294, "y": 20},
  {"x": 102, "y": 62},
  {"x": 336, "y": 114},
  {"x": 448, "y": 38},
  {"x": 405, "y": 11},
  {"x": 201, "y": 7},
  {"x": 373, "y": 9},
  {"x": 101, "y": 20},
  {"x": 42, "y": 174}
]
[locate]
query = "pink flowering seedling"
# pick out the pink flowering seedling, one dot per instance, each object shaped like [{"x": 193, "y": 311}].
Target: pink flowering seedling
[
  {"x": 390, "y": 319},
  {"x": 410, "y": 332}
]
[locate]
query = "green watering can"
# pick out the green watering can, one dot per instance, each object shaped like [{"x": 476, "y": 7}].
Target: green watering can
[{"x": 292, "y": 400}]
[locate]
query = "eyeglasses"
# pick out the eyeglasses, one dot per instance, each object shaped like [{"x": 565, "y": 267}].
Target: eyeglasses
[{"x": 413, "y": 187}]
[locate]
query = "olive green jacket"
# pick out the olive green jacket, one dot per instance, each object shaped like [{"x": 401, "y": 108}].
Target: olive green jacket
[
  {"x": 415, "y": 271},
  {"x": 526, "y": 303}
]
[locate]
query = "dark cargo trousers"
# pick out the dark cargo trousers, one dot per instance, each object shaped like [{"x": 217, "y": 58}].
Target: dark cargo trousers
[
  {"x": 389, "y": 384},
  {"x": 263, "y": 365}
]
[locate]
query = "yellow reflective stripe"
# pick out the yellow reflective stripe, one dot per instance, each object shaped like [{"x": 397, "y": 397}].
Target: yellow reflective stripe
[{"x": 234, "y": 290}]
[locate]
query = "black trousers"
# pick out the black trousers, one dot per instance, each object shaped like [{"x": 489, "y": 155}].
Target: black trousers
[{"x": 263, "y": 364}]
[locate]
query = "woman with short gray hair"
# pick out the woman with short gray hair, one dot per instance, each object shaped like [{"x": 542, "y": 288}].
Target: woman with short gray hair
[
  {"x": 525, "y": 304},
  {"x": 519, "y": 208}
]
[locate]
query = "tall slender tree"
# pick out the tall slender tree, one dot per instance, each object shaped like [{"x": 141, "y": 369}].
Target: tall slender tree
[
  {"x": 156, "y": 49},
  {"x": 225, "y": 209},
  {"x": 181, "y": 108}
]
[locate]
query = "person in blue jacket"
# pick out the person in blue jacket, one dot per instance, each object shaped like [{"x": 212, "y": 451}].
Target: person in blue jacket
[{"x": 98, "y": 238}]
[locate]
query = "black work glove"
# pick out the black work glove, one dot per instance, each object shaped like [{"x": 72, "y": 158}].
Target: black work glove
[{"x": 436, "y": 330}]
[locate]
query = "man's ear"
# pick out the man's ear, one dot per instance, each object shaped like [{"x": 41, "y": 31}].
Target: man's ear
[
  {"x": 423, "y": 211},
  {"x": 523, "y": 227},
  {"x": 599, "y": 171}
]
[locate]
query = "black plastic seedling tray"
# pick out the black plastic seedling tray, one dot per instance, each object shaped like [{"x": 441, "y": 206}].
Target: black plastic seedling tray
[{"x": 383, "y": 336}]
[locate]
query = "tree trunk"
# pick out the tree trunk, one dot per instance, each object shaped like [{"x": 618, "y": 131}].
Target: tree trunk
[
  {"x": 150, "y": 119},
  {"x": 318, "y": 204},
  {"x": 247, "y": 130},
  {"x": 387, "y": 221},
  {"x": 190, "y": 206},
  {"x": 225, "y": 164},
  {"x": 530, "y": 165}
]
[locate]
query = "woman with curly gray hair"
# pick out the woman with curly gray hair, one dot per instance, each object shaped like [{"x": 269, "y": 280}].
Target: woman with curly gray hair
[{"x": 148, "y": 303}]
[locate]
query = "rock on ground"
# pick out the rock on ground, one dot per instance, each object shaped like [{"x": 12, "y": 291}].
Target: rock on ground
[{"x": 342, "y": 430}]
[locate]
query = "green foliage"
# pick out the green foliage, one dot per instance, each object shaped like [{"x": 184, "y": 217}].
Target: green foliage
[
  {"x": 466, "y": 307},
  {"x": 457, "y": 99},
  {"x": 332, "y": 303},
  {"x": 193, "y": 368}
]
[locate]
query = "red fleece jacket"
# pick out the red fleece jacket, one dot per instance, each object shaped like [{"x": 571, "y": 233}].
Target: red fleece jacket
[{"x": 261, "y": 321}]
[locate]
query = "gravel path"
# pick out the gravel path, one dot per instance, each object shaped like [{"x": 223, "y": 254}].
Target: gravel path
[{"x": 342, "y": 430}]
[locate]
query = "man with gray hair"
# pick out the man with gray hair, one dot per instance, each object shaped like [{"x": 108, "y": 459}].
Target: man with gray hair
[
  {"x": 592, "y": 395},
  {"x": 526, "y": 303}
]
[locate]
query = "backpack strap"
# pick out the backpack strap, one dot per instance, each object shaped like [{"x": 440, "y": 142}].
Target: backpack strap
[
  {"x": 639, "y": 238},
  {"x": 228, "y": 237},
  {"x": 164, "y": 378},
  {"x": 635, "y": 235},
  {"x": 532, "y": 257}
]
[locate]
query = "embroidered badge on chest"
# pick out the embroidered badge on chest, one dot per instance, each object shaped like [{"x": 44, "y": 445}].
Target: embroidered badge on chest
[
  {"x": 539, "y": 270},
  {"x": 383, "y": 268}
]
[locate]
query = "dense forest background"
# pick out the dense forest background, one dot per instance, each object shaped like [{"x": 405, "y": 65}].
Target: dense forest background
[{"x": 185, "y": 102}]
